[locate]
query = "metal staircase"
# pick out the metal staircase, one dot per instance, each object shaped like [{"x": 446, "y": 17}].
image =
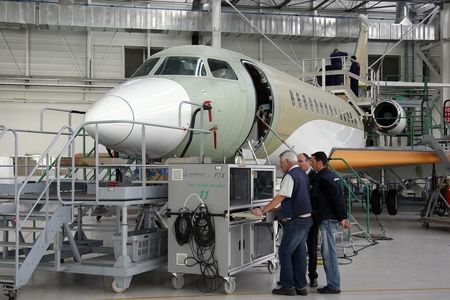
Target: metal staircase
[
  {"x": 24, "y": 203},
  {"x": 42, "y": 216}
]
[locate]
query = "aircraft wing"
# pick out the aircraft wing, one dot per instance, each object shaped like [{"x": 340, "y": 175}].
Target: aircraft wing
[{"x": 366, "y": 158}]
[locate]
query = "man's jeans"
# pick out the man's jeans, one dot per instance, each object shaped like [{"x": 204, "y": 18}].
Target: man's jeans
[
  {"x": 292, "y": 252},
  {"x": 328, "y": 229}
]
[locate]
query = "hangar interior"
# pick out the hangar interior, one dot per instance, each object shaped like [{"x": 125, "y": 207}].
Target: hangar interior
[{"x": 85, "y": 216}]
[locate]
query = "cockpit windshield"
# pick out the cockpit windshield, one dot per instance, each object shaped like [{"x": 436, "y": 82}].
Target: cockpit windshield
[
  {"x": 182, "y": 65},
  {"x": 146, "y": 67}
]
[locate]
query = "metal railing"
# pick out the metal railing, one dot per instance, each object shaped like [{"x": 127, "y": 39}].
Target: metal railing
[
  {"x": 351, "y": 195},
  {"x": 315, "y": 68},
  {"x": 143, "y": 165}
]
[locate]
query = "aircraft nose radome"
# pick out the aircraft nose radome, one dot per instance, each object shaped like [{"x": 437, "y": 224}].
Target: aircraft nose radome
[
  {"x": 110, "y": 108},
  {"x": 150, "y": 100}
]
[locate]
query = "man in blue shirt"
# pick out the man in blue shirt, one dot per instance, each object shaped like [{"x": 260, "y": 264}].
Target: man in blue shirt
[
  {"x": 330, "y": 213},
  {"x": 296, "y": 219},
  {"x": 336, "y": 63},
  {"x": 355, "y": 69},
  {"x": 305, "y": 164}
]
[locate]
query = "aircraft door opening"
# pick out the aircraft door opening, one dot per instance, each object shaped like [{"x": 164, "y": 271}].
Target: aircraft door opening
[{"x": 264, "y": 103}]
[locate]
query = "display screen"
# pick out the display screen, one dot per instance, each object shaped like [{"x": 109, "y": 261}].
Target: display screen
[
  {"x": 262, "y": 185},
  {"x": 240, "y": 186}
]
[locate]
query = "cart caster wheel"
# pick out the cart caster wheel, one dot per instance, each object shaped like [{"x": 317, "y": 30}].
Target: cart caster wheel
[
  {"x": 426, "y": 225},
  {"x": 229, "y": 286},
  {"x": 116, "y": 288},
  {"x": 273, "y": 267},
  {"x": 177, "y": 282},
  {"x": 12, "y": 295}
]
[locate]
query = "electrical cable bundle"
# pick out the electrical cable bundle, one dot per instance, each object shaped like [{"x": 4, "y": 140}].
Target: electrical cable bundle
[
  {"x": 182, "y": 227},
  {"x": 197, "y": 228},
  {"x": 203, "y": 228}
]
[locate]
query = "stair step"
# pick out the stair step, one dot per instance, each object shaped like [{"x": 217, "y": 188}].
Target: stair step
[
  {"x": 10, "y": 262},
  {"x": 30, "y": 229},
  {"x": 13, "y": 245},
  {"x": 358, "y": 232},
  {"x": 34, "y": 216},
  {"x": 7, "y": 280}
]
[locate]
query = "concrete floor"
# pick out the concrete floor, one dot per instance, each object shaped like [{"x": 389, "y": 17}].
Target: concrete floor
[{"x": 415, "y": 264}]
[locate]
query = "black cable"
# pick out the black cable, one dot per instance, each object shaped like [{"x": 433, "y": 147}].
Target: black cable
[
  {"x": 191, "y": 133},
  {"x": 182, "y": 227},
  {"x": 203, "y": 226},
  {"x": 203, "y": 250}
]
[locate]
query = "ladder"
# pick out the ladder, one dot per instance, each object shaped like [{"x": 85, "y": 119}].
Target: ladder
[{"x": 23, "y": 206}]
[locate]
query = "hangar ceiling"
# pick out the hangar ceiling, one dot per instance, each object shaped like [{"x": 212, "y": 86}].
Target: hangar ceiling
[{"x": 417, "y": 8}]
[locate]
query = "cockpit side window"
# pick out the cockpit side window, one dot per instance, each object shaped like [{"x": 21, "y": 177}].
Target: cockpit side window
[
  {"x": 221, "y": 69},
  {"x": 182, "y": 65},
  {"x": 146, "y": 67}
]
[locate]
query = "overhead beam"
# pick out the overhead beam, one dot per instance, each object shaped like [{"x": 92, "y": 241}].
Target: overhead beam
[
  {"x": 321, "y": 4},
  {"x": 283, "y": 4},
  {"x": 354, "y": 8}
]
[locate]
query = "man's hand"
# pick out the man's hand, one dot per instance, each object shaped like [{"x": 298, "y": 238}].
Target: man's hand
[
  {"x": 257, "y": 212},
  {"x": 345, "y": 224}
]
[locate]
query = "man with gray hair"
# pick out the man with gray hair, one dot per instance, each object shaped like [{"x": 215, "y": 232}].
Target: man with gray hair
[{"x": 296, "y": 219}]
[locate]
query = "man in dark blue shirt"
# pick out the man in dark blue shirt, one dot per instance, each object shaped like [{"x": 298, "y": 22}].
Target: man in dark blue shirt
[
  {"x": 355, "y": 69},
  {"x": 296, "y": 219},
  {"x": 336, "y": 63},
  {"x": 331, "y": 213},
  {"x": 311, "y": 242}
]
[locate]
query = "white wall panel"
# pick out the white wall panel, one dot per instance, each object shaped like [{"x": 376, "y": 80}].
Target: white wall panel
[
  {"x": 108, "y": 61},
  {"x": 295, "y": 49},
  {"x": 49, "y": 55},
  {"x": 16, "y": 43},
  {"x": 27, "y": 116},
  {"x": 244, "y": 45}
]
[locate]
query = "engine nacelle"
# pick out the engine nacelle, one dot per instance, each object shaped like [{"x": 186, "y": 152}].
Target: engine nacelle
[{"x": 389, "y": 117}]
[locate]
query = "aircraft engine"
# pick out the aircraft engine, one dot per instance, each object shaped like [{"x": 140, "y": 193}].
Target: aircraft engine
[{"x": 389, "y": 117}]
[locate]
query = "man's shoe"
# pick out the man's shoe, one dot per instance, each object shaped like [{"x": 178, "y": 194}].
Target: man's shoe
[
  {"x": 313, "y": 282},
  {"x": 328, "y": 290},
  {"x": 302, "y": 292},
  {"x": 278, "y": 282},
  {"x": 284, "y": 291}
]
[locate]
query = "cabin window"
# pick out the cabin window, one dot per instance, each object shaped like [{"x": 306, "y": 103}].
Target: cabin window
[
  {"x": 182, "y": 65},
  {"x": 299, "y": 101},
  {"x": 311, "y": 104},
  {"x": 335, "y": 112},
  {"x": 292, "y": 97},
  {"x": 221, "y": 69},
  {"x": 316, "y": 105},
  {"x": 321, "y": 108},
  {"x": 146, "y": 67},
  {"x": 305, "y": 102},
  {"x": 326, "y": 110},
  {"x": 330, "y": 109}
]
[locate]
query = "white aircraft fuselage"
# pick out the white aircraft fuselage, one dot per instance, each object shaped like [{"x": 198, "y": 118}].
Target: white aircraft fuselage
[{"x": 307, "y": 118}]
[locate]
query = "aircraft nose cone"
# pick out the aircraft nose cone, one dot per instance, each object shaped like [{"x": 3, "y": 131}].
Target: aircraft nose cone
[
  {"x": 147, "y": 100},
  {"x": 110, "y": 108}
]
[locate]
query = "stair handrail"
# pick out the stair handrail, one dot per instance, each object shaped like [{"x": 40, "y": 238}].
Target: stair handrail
[
  {"x": 96, "y": 143},
  {"x": 3, "y": 131},
  {"x": 359, "y": 178},
  {"x": 27, "y": 179},
  {"x": 18, "y": 191}
]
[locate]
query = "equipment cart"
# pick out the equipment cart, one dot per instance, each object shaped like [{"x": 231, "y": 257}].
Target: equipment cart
[{"x": 226, "y": 194}]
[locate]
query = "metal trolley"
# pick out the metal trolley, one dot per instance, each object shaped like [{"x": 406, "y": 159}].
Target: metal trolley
[{"x": 229, "y": 192}]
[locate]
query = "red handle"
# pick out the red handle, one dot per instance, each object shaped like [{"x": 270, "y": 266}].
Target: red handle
[{"x": 207, "y": 105}]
